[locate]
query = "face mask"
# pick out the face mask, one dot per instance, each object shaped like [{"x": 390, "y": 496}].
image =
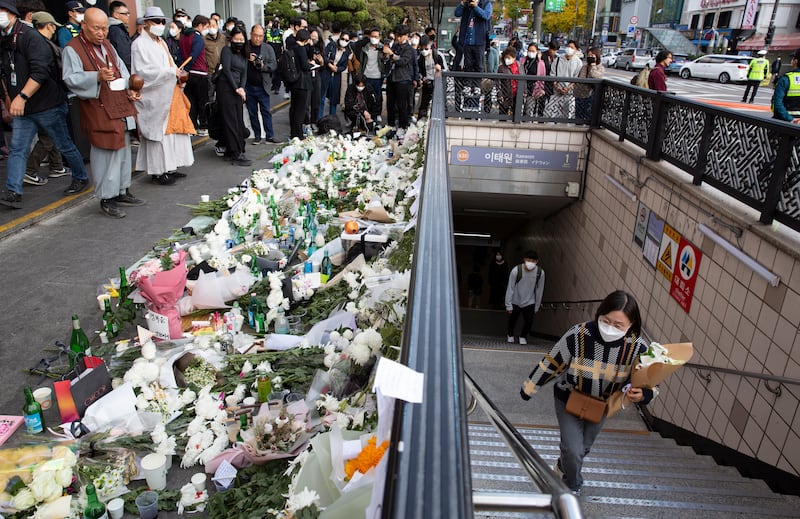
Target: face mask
[
  {"x": 186, "y": 22},
  {"x": 173, "y": 31},
  {"x": 532, "y": 55},
  {"x": 609, "y": 333},
  {"x": 508, "y": 61},
  {"x": 374, "y": 41},
  {"x": 79, "y": 17},
  {"x": 91, "y": 2},
  {"x": 334, "y": 37},
  {"x": 204, "y": 32},
  {"x": 360, "y": 89},
  {"x": 425, "y": 52},
  {"x": 213, "y": 31},
  {"x": 229, "y": 28},
  {"x": 343, "y": 43},
  {"x": 529, "y": 264},
  {"x": 570, "y": 51},
  {"x": 414, "y": 41},
  {"x": 498, "y": 257},
  {"x": 157, "y": 30},
  {"x": 237, "y": 47},
  {"x": 4, "y": 22}
]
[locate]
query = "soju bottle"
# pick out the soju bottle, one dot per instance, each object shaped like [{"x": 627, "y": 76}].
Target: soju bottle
[
  {"x": 78, "y": 342},
  {"x": 261, "y": 319},
  {"x": 125, "y": 309},
  {"x": 325, "y": 268},
  {"x": 32, "y": 412},
  {"x": 242, "y": 426},
  {"x": 251, "y": 310},
  {"x": 264, "y": 388},
  {"x": 94, "y": 508},
  {"x": 110, "y": 321}
]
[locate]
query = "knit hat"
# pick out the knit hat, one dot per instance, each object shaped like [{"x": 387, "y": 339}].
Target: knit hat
[{"x": 10, "y": 6}]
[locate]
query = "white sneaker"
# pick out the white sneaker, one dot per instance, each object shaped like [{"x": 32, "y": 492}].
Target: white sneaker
[
  {"x": 511, "y": 339},
  {"x": 287, "y": 95},
  {"x": 523, "y": 340}
]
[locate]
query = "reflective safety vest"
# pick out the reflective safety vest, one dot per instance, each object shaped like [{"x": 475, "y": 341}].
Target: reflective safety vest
[
  {"x": 274, "y": 36},
  {"x": 758, "y": 69},
  {"x": 792, "y": 99}
]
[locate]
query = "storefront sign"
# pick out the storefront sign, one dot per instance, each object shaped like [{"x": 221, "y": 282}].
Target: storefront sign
[
  {"x": 668, "y": 252},
  {"x": 684, "y": 276},
  {"x": 655, "y": 228},
  {"x": 512, "y": 158},
  {"x": 750, "y": 10}
]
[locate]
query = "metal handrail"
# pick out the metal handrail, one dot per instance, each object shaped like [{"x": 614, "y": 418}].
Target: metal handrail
[
  {"x": 562, "y": 502},
  {"x": 740, "y": 372}
]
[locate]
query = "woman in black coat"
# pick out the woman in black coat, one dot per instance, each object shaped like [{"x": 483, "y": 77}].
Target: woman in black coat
[
  {"x": 300, "y": 89},
  {"x": 361, "y": 105},
  {"x": 231, "y": 97},
  {"x": 316, "y": 54}
]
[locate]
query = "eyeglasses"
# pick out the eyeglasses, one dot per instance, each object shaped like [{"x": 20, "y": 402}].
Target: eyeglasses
[
  {"x": 618, "y": 324},
  {"x": 123, "y": 14},
  {"x": 158, "y": 22},
  {"x": 346, "y": 41}
]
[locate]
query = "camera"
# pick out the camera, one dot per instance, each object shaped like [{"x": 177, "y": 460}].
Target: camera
[{"x": 379, "y": 47}]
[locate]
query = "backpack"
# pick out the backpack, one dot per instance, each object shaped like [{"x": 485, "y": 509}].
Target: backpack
[
  {"x": 535, "y": 283},
  {"x": 287, "y": 64}
]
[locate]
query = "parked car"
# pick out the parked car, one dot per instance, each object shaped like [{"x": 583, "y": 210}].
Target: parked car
[
  {"x": 678, "y": 61},
  {"x": 609, "y": 58},
  {"x": 633, "y": 58},
  {"x": 724, "y": 68}
]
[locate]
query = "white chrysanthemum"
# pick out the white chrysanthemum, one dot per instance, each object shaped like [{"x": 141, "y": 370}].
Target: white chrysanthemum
[
  {"x": 300, "y": 500},
  {"x": 359, "y": 353},
  {"x": 149, "y": 350}
]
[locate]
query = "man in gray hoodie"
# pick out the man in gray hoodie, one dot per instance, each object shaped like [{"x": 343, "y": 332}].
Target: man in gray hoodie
[{"x": 524, "y": 295}]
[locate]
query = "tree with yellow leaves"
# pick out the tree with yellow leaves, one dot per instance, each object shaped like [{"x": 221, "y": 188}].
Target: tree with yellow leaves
[{"x": 567, "y": 19}]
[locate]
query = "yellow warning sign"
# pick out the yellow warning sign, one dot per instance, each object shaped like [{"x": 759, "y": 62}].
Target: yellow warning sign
[{"x": 668, "y": 252}]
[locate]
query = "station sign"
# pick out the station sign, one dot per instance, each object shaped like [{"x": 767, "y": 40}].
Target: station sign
[{"x": 514, "y": 158}]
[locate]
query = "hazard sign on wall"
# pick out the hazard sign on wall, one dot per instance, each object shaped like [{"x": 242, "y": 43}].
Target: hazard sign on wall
[
  {"x": 668, "y": 252},
  {"x": 684, "y": 275}
]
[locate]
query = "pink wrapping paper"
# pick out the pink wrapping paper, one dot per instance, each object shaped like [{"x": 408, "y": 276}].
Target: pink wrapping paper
[{"x": 162, "y": 291}]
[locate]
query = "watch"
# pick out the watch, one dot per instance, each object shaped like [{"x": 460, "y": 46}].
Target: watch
[{"x": 23, "y": 95}]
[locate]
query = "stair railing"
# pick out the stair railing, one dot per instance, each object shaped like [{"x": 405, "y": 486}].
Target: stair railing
[{"x": 554, "y": 495}]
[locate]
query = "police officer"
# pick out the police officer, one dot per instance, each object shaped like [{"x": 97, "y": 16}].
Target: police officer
[
  {"x": 756, "y": 73},
  {"x": 786, "y": 98}
]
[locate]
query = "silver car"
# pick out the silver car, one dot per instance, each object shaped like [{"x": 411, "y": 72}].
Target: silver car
[{"x": 722, "y": 67}]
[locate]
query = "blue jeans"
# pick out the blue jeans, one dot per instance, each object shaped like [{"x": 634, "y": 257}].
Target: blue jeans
[
  {"x": 257, "y": 98},
  {"x": 577, "y": 437},
  {"x": 52, "y": 121}
]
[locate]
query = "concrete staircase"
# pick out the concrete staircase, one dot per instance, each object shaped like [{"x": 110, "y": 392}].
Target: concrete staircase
[{"x": 629, "y": 474}]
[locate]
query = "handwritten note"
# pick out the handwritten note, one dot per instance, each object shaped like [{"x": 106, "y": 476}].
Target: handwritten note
[{"x": 398, "y": 381}]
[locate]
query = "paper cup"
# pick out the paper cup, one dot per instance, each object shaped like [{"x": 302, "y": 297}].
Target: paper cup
[
  {"x": 147, "y": 503},
  {"x": 205, "y": 198},
  {"x": 154, "y": 467},
  {"x": 199, "y": 482},
  {"x": 249, "y": 401},
  {"x": 115, "y": 508},
  {"x": 101, "y": 301},
  {"x": 44, "y": 395}
]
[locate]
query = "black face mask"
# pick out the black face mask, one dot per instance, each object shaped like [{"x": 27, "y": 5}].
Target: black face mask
[{"x": 237, "y": 47}]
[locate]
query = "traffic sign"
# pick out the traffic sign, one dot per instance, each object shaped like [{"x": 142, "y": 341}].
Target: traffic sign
[
  {"x": 634, "y": 20},
  {"x": 631, "y": 31}
]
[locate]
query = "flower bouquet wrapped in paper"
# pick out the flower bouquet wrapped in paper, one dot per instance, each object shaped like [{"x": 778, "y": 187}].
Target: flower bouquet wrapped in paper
[
  {"x": 162, "y": 290},
  {"x": 652, "y": 368}
]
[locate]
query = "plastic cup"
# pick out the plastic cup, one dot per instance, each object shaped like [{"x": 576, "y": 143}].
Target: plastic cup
[
  {"x": 147, "y": 503},
  {"x": 205, "y": 198},
  {"x": 44, "y": 395},
  {"x": 101, "y": 301},
  {"x": 199, "y": 482},
  {"x": 249, "y": 401},
  {"x": 115, "y": 508},
  {"x": 154, "y": 467}
]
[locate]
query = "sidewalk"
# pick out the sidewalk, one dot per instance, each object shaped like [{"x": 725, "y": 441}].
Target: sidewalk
[{"x": 42, "y": 202}]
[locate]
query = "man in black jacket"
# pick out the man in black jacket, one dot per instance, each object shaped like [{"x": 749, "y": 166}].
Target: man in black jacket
[
  {"x": 118, "y": 30},
  {"x": 361, "y": 105},
  {"x": 38, "y": 102},
  {"x": 400, "y": 60}
]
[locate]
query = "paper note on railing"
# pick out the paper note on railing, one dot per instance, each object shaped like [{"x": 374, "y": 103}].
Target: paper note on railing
[{"x": 398, "y": 381}]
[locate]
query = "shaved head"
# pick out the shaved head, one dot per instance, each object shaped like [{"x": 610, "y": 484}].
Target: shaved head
[{"x": 95, "y": 26}]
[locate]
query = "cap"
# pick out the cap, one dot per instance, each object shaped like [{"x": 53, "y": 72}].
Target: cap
[
  {"x": 10, "y": 6},
  {"x": 43, "y": 17},
  {"x": 75, "y": 6},
  {"x": 153, "y": 13},
  {"x": 762, "y": 52}
]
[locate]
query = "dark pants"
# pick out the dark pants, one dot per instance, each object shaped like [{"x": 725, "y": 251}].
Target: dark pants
[
  {"x": 583, "y": 107},
  {"x": 45, "y": 147},
  {"x": 258, "y": 98},
  {"x": 276, "y": 74},
  {"x": 197, "y": 92},
  {"x": 230, "y": 106},
  {"x": 297, "y": 112},
  {"x": 754, "y": 84},
  {"x": 316, "y": 89},
  {"x": 397, "y": 96},
  {"x": 473, "y": 57},
  {"x": 377, "y": 87},
  {"x": 425, "y": 98},
  {"x": 527, "y": 319}
]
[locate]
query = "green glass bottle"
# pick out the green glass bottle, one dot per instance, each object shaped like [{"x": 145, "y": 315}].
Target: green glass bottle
[
  {"x": 94, "y": 508},
  {"x": 264, "y": 388},
  {"x": 110, "y": 321},
  {"x": 242, "y": 426},
  {"x": 325, "y": 268},
  {"x": 32, "y": 413},
  {"x": 125, "y": 307},
  {"x": 78, "y": 342},
  {"x": 261, "y": 319}
]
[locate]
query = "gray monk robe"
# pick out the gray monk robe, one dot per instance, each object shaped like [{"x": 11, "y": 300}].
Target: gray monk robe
[{"x": 106, "y": 123}]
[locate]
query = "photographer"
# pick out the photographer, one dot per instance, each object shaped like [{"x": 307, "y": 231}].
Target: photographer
[
  {"x": 372, "y": 64},
  {"x": 398, "y": 84},
  {"x": 261, "y": 63},
  {"x": 361, "y": 105},
  {"x": 475, "y": 20}
]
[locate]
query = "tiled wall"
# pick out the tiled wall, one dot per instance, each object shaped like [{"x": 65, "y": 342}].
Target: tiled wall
[
  {"x": 507, "y": 135},
  {"x": 736, "y": 319}
]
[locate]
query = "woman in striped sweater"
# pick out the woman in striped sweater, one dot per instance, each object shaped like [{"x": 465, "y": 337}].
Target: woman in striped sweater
[{"x": 595, "y": 358}]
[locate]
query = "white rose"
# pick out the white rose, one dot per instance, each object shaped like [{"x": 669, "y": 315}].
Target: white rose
[
  {"x": 348, "y": 334},
  {"x": 44, "y": 487},
  {"x": 149, "y": 350},
  {"x": 65, "y": 453},
  {"x": 23, "y": 499},
  {"x": 358, "y": 419},
  {"x": 63, "y": 477},
  {"x": 188, "y": 396}
]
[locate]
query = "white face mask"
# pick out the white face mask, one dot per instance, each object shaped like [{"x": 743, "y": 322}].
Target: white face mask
[
  {"x": 91, "y": 2},
  {"x": 498, "y": 257},
  {"x": 508, "y": 61},
  {"x": 158, "y": 30},
  {"x": 173, "y": 31},
  {"x": 374, "y": 41},
  {"x": 570, "y": 51},
  {"x": 425, "y": 52},
  {"x": 79, "y": 17},
  {"x": 530, "y": 264},
  {"x": 609, "y": 333},
  {"x": 532, "y": 55},
  {"x": 4, "y": 21},
  {"x": 335, "y": 37},
  {"x": 213, "y": 31},
  {"x": 360, "y": 89},
  {"x": 229, "y": 28},
  {"x": 204, "y": 32},
  {"x": 414, "y": 41},
  {"x": 343, "y": 43}
]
